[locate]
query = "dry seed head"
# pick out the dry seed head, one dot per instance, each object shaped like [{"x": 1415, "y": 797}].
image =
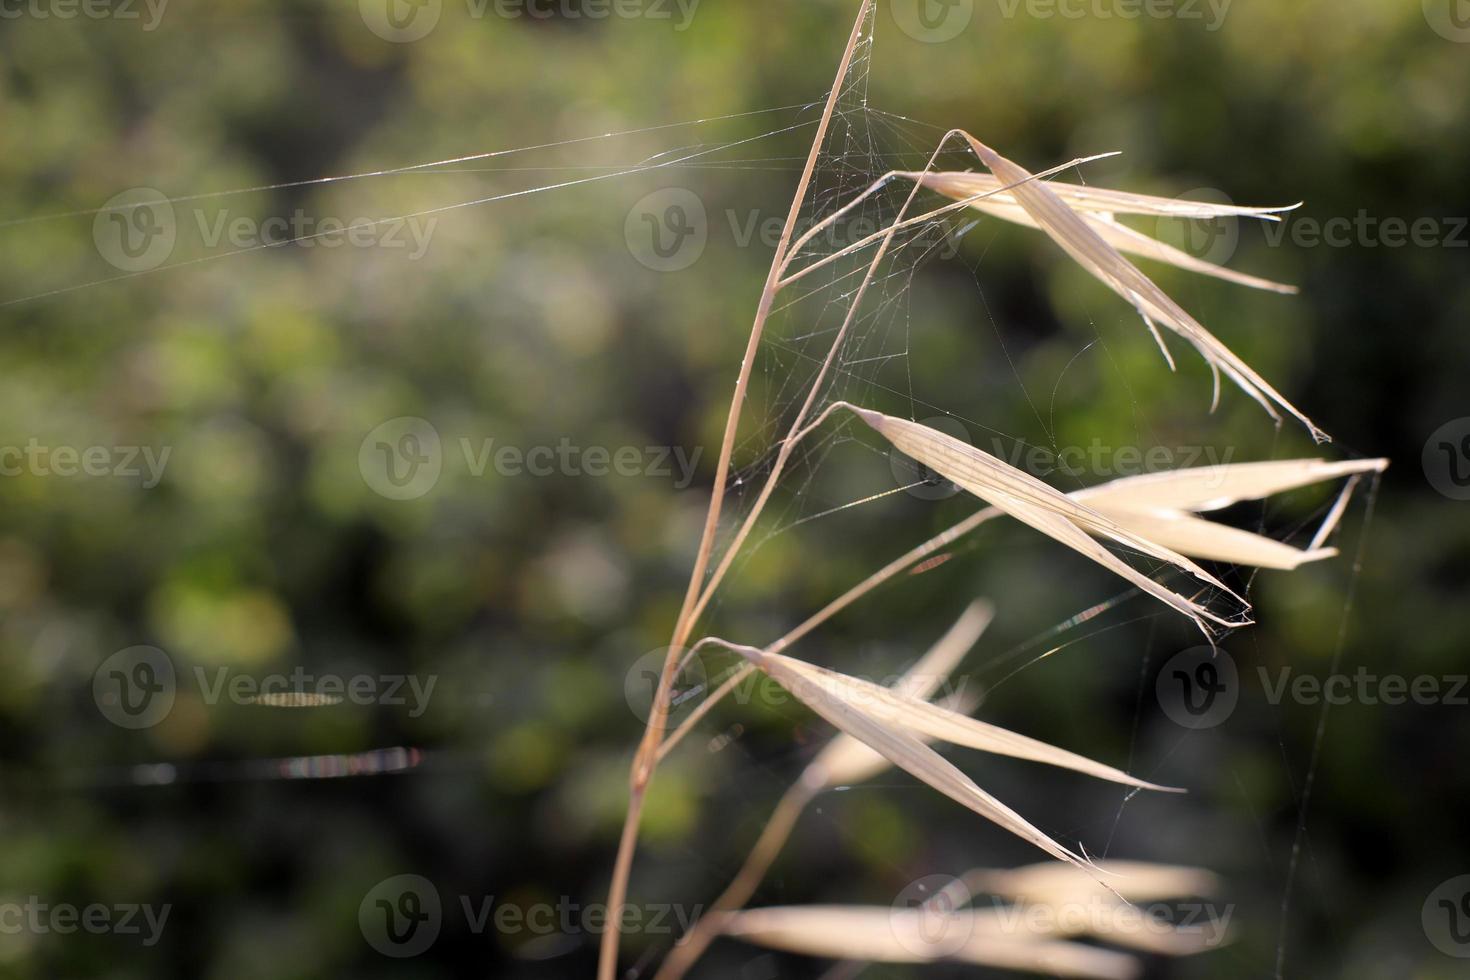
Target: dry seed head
[
  {"x": 1044, "y": 508},
  {"x": 1090, "y": 250}
]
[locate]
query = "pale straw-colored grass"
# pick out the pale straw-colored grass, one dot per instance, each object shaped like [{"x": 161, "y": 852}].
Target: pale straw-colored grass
[
  {"x": 1155, "y": 518},
  {"x": 1099, "y": 207},
  {"x": 1035, "y": 914}
]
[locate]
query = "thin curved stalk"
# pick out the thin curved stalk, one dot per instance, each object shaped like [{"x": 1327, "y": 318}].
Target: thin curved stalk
[
  {"x": 646, "y": 758},
  {"x": 757, "y": 863},
  {"x": 900, "y": 564}
]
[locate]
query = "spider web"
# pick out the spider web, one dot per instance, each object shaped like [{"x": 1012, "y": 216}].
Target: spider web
[
  {"x": 842, "y": 305},
  {"x": 860, "y": 314}
]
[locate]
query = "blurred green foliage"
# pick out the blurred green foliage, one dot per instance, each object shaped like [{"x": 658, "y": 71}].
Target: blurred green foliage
[{"x": 264, "y": 550}]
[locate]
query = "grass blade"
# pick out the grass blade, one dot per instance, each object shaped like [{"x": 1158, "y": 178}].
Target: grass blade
[
  {"x": 883, "y": 935},
  {"x": 1044, "y": 508},
  {"x": 1203, "y": 488},
  {"x": 910, "y": 754},
  {"x": 1079, "y": 240},
  {"x": 917, "y": 716}
]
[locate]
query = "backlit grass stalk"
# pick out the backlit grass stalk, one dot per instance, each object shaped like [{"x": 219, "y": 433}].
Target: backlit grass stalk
[
  {"x": 646, "y": 758},
  {"x": 1158, "y": 521}
]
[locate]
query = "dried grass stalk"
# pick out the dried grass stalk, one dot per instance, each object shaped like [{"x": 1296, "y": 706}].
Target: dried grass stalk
[
  {"x": 1090, "y": 250},
  {"x": 1115, "y": 233},
  {"x": 945, "y": 929},
  {"x": 962, "y": 185},
  {"x": 888, "y": 722},
  {"x": 1053, "y": 884},
  {"x": 1044, "y": 508},
  {"x": 810, "y": 683},
  {"x": 846, "y": 760},
  {"x": 1205, "y": 488},
  {"x": 1160, "y": 507},
  {"x": 882, "y": 935}
]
